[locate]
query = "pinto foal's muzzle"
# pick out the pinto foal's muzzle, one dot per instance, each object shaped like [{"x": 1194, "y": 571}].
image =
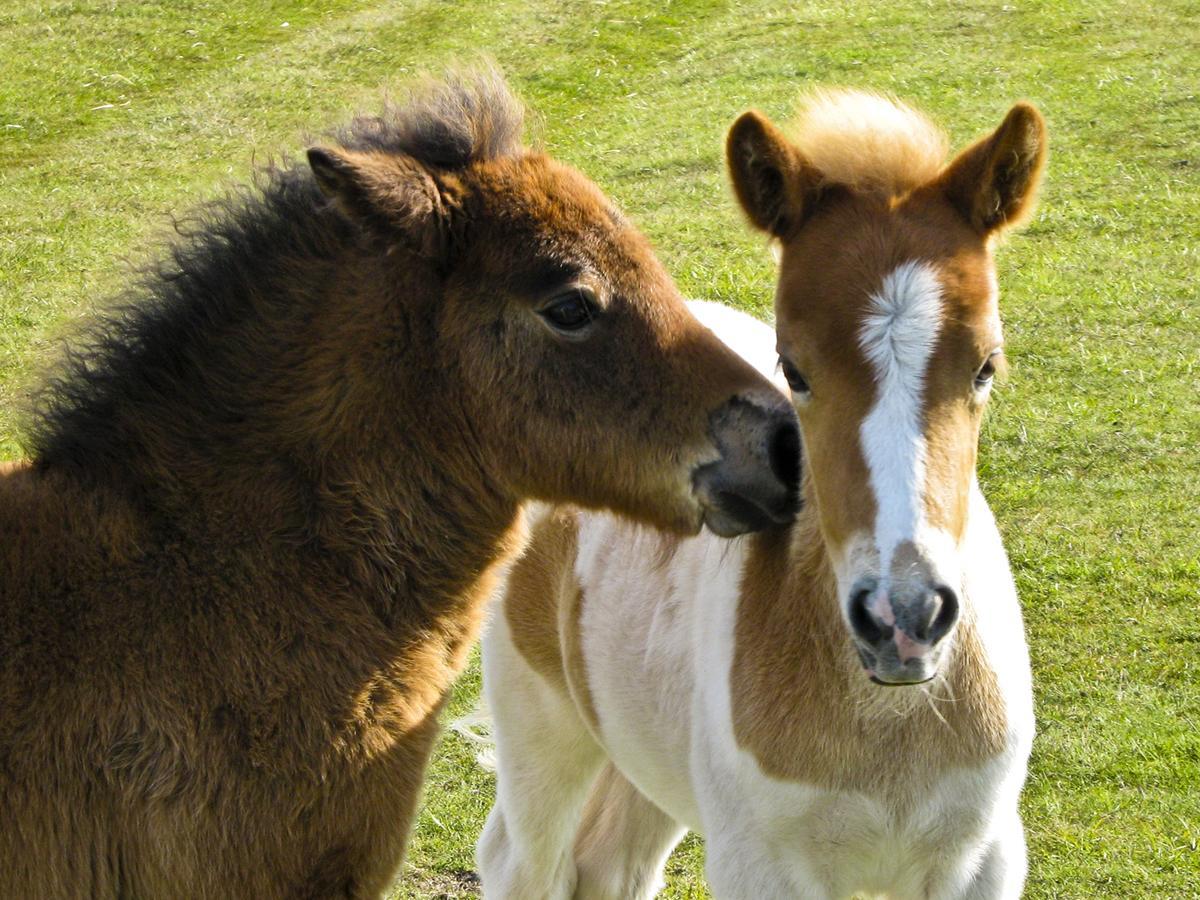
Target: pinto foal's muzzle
[
  {"x": 899, "y": 633},
  {"x": 756, "y": 482}
]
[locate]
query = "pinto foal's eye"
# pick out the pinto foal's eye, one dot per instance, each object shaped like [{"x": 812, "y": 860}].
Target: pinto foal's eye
[
  {"x": 571, "y": 310},
  {"x": 986, "y": 373},
  {"x": 795, "y": 380}
]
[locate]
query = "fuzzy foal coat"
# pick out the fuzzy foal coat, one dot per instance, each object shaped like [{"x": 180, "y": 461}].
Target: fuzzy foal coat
[
  {"x": 225, "y": 631},
  {"x": 266, "y": 503}
]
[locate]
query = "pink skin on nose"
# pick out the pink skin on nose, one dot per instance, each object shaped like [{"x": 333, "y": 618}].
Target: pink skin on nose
[
  {"x": 907, "y": 648},
  {"x": 881, "y": 608}
]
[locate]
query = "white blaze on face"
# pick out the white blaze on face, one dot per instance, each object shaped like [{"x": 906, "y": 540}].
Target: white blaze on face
[{"x": 898, "y": 338}]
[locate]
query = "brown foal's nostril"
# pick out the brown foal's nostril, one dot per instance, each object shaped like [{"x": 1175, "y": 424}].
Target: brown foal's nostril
[
  {"x": 784, "y": 453},
  {"x": 754, "y": 483}
]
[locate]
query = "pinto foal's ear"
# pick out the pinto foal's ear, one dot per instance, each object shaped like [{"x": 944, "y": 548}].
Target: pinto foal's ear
[
  {"x": 774, "y": 184},
  {"x": 394, "y": 197},
  {"x": 994, "y": 182}
]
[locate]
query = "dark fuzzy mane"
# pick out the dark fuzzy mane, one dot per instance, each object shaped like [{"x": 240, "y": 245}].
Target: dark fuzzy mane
[
  {"x": 252, "y": 256},
  {"x": 452, "y": 122},
  {"x": 152, "y": 347}
]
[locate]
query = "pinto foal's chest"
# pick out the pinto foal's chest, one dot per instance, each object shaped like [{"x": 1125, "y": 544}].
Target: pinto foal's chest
[
  {"x": 800, "y": 706},
  {"x": 838, "y": 790},
  {"x": 856, "y": 843}
]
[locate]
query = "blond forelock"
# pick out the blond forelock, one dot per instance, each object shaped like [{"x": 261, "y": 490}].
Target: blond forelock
[{"x": 867, "y": 142}]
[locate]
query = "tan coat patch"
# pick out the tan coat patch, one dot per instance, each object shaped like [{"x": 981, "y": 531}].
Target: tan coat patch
[
  {"x": 538, "y": 585},
  {"x": 543, "y": 604}
]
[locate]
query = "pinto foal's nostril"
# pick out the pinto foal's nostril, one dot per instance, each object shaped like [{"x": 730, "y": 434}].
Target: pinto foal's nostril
[
  {"x": 784, "y": 454},
  {"x": 939, "y": 616},
  {"x": 945, "y": 616},
  {"x": 865, "y": 625}
]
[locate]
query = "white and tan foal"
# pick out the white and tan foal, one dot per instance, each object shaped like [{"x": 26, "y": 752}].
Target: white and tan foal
[{"x": 843, "y": 706}]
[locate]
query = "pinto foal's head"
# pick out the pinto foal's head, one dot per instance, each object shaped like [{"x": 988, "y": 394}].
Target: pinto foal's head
[
  {"x": 889, "y": 334},
  {"x": 581, "y": 374}
]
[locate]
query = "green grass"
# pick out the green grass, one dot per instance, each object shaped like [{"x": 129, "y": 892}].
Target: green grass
[{"x": 113, "y": 115}]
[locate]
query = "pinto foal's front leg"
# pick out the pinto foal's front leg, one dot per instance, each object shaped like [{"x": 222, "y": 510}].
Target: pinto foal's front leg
[
  {"x": 739, "y": 866},
  {"x": 1000, "y": 874},
  {"x": 546, "y": 761},
  {"x": 624, "y": 841}
]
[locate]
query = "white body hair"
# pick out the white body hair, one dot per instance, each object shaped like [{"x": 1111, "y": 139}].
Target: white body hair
[{"x": 657, "y": 639}]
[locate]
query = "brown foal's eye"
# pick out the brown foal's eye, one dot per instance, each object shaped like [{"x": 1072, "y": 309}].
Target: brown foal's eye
[{"x": 571, "y": 310}]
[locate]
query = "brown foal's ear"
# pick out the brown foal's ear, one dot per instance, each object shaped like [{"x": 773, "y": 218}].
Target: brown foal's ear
[
  {"x": 394, "y": 197},
  {"x": 774, "y": 183},
  {"x": 994, "y": 182}
]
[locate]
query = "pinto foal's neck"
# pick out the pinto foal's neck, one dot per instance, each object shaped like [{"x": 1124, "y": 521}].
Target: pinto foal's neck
[{"x": 800, "y": 701}]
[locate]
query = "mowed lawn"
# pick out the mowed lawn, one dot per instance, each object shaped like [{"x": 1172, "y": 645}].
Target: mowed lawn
[{"x": 114, "y": 115}]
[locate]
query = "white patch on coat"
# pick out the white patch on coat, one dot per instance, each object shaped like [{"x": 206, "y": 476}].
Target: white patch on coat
[{"x": 752, "y": 340}]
